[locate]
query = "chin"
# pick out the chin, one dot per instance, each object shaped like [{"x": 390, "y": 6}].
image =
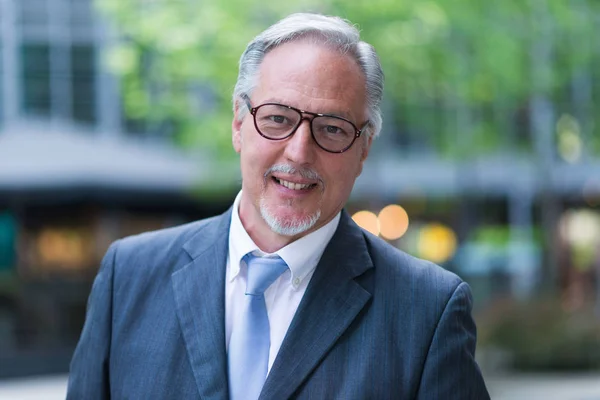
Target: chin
[{"x": 289, "y": 225}]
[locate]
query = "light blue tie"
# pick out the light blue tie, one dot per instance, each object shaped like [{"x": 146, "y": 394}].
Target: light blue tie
[{"x": 250, "y": 340}]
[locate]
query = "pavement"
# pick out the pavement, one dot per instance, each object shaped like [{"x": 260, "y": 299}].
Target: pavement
[
  {"x": 501, "y": 387},
  {"x": 34, "y": 388},
  {"x": 545, "y": 386}
]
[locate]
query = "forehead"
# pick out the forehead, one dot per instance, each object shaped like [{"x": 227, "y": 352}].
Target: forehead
[{"x": 313, "y": 77}]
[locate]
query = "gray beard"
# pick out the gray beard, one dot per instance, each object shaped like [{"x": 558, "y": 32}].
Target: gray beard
[{"x": 287, "y": 228}]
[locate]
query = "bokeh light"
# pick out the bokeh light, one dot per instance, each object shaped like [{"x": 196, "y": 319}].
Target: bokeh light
[
  {"x": 63, "y": 248},
  {"x": 437, "y": 243},
  {"x": 367, "y": 220},
  {"x": 393, "y": 222},
  {"x": 569, "y": 138},
  {"x": 580, "y": 227}
]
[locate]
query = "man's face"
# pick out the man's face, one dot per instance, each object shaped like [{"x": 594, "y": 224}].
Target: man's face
[{"x": 292, "y": 186}]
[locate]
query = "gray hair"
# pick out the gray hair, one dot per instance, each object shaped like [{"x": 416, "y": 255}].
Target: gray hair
[{"x": 331, "y": 31}]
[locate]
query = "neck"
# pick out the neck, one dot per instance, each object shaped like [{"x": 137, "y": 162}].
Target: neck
[{"x": 267, "y": 240}]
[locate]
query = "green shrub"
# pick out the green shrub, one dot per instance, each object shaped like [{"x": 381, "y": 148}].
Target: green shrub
[{"x": 542, "y": 335}]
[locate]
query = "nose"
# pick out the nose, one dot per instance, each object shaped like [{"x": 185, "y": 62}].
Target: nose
[{"x": 300, "y": 147}]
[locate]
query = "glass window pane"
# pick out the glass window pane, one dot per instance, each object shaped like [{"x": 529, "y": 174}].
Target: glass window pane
[
  {"x": 33, "y": 13},
  {"x": 1, "y": 83},
  {"x": 83, "y": 59},
  {"x": 36, "y": 78},
  {"x": 81, "y": 14},
  {"x": 83, "y": 73}
]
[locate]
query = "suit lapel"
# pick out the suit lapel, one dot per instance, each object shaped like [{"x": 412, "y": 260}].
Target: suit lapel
[
  {"x": 332, "y": 301},
  {"x": 199, "y": 289}
]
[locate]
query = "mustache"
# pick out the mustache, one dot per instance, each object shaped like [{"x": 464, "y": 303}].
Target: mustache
[{"x": 306, "y": 173}]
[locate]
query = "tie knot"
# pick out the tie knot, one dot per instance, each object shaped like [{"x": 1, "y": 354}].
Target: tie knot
[{"x": 262, "y": 272}]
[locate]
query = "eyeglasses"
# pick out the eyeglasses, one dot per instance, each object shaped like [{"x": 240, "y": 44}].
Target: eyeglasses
[{"x": 277, "y": 122}]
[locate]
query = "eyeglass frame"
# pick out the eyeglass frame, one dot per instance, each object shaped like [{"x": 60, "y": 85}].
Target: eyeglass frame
[{"x": 254, "y": 110}]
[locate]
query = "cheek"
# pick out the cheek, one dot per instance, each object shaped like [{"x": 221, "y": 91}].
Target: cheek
[
  {"x": 342, "y": 178},
  {"x": 255, "y": 159}
]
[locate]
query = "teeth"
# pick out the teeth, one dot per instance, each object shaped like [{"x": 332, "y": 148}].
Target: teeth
[{"x": 292, "y": 185}]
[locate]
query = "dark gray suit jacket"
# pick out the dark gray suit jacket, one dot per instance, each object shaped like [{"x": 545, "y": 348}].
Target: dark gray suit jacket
[{"x": 374, "y": 323}]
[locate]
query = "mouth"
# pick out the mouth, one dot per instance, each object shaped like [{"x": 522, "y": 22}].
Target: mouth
[{"x": 293, "y": 185}]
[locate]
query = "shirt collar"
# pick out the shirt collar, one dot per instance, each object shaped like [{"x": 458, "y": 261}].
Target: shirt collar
[{"x": 301, "y": 256}]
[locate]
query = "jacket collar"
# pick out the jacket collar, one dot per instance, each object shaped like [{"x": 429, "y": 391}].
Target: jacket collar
[
  {"x": 332, "y": 301},
  {"x": 199, "y": 290}
]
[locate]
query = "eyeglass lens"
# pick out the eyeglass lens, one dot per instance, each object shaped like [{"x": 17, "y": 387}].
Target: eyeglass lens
[{"x": 277, "y": 122}]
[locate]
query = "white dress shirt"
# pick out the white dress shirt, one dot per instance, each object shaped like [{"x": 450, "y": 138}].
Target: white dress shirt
[{"x": 283, "y": 296}]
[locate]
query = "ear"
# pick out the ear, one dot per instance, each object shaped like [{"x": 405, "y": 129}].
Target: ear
[
  {"x": 236, "y": 126},
  {"x": 366, "y": 147}
]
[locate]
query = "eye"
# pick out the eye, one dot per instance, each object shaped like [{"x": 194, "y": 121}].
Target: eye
[
  {"x": 279, "y": 119},
  {"x": 275, "y": 121},
  {"x": 333, "y": 129}
]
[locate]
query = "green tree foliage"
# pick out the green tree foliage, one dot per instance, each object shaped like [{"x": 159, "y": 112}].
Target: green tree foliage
[{"x": 459, "y": 74}]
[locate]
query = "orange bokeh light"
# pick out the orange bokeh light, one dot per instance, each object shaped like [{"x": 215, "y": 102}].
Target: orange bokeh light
[
  {"x": 367, "y": 220},
  {"x": 393, "y": 222}
]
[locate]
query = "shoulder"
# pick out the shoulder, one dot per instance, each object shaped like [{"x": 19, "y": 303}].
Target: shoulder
[
  {"x": 160, "y": 250},
  {"x": 411, "y": 293},
  {"x": 395, "y": 267},
  {"x": 164, "y": 238}
]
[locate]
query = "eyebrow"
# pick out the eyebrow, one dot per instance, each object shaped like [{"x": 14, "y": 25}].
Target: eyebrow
[{"x": 337, "y": 114}]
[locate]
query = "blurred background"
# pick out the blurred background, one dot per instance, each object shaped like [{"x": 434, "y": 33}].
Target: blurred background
[{"x": 115, "y": 119}]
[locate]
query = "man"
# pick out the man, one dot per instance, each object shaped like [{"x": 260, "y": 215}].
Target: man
[{"x": 178, "y": 314}]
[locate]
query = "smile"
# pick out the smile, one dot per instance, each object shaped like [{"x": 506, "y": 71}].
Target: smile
[{"x": 295, "y": 186}]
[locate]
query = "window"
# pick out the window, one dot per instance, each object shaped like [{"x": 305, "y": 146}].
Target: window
[
  {"x": 81, "y": 19},
  {"x": 58, "y": 77},
  {"x": 33, "y": 14},
  {"x": 83, "y": 83},
  {"x": 1, "y": 79},
  {"x": 36, "y": 78}
]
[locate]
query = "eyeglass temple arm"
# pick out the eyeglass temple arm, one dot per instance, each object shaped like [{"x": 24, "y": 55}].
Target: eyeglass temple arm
[
  {"x": 247, "y": 101},
  {"x": 363, "y": 128}
]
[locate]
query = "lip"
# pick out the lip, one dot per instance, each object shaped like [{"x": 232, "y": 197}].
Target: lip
[
  {"x": 295, "y": 179},
  {"x": 292, "y": 193}
]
